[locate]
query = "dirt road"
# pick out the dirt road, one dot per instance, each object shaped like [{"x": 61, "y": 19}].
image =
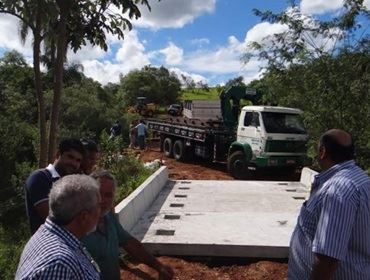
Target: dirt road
[{"x": 189, "y": 270}]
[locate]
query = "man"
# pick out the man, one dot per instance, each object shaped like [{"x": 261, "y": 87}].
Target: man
[
  {"x": 68, "y": 159},
  {"x": 104, "y": 243},
  {"x": 54, "y": 251},
  {"x": 91, "y": 156},
  {"x": 141, "y": 132},
  {"x": 332, "y": 236},
  {"x": 115, "y": 130}
]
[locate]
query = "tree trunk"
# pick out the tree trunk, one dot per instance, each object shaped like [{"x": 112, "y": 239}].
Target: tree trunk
[
  {"x": 58, "y": 77},
  {"x": 42, "y": 159}
]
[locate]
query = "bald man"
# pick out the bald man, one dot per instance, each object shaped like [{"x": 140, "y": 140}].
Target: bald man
[{"x": 332, "y": 237}]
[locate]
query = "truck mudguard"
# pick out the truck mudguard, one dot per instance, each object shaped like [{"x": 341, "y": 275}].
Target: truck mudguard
[{"x": 244, "y": 147}]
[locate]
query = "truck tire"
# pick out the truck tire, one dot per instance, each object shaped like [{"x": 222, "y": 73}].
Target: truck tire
[
  {"x": 237, "y": 165},
  {"x": 179, "y": 150},
  {"x": 167, "y": 147}
]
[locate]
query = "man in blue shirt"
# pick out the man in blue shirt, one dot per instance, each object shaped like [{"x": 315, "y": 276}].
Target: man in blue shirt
[
  {"x": 332, "y": 237},
  {"x": 54, "y": 251},
  {"x": 141, "y": 132},
  {"x": 68, "y": 159}
]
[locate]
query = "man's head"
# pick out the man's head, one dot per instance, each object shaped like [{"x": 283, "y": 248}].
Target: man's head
[
  {"x": 69, "y": 156},
  {"x": 74, "y": 203},
  {"x": 91, "y": 156},
  {"x": 107, "y": 185},
  {"x": 335, "y": 146}
]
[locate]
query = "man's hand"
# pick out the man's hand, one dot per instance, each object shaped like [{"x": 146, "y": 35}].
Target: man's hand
[{"x": 165, "y": 273}]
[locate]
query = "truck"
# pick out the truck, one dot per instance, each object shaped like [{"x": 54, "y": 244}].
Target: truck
[{"x": 254, "y": 137}]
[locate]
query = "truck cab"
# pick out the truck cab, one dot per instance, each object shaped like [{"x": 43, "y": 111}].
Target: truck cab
[{"x": 268, "y": 137}]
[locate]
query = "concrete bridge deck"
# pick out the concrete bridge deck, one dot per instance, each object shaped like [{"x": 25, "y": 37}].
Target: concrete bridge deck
[{"x": 214, "y": 218}]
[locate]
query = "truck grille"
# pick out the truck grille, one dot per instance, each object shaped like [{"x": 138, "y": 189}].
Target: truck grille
[{"x": 286, "y": 146}]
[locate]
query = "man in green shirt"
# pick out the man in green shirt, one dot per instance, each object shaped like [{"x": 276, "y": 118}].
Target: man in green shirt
[{"x": 104, "y": 243}]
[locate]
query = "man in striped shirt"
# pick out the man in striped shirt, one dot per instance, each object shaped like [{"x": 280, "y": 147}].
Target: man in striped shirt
[
  {"x": 332, "y": 237},
  {"x": 54, "y": 251}
]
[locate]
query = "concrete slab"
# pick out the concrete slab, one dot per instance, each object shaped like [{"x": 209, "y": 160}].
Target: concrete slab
[
  {"x": 132, "y": 208},
  {"x": 222, "y": 218}
]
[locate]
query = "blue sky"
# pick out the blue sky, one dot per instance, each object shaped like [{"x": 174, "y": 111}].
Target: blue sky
[{"x": 203, "y": 39}]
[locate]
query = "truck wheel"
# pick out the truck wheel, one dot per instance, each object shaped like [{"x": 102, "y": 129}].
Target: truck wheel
[
  {"x": 167, "y": 147},
  {"x": 237, "y": 165},
  {"x": 179, "y": 150}
]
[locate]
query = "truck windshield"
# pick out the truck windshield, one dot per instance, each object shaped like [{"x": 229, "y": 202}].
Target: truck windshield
[{"x": 283, "y": 123}]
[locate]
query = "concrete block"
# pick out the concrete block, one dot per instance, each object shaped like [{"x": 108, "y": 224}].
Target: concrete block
[
  {"x": 131, "y": 209},
  {"x": 307, "y": 176}
]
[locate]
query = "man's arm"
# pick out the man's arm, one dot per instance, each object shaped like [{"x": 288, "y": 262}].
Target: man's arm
[
  {"x": 138, "y": 251},
  {"x": 323, "y": 267},
  {"x": 38, "y": 186},
  {"x": 42, "y": 209}
]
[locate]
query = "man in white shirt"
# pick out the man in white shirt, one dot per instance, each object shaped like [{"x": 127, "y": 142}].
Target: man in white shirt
[{"x": 39, "y": 183}]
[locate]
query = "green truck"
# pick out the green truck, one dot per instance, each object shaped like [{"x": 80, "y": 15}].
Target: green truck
[{"x": 251, "y": 138}]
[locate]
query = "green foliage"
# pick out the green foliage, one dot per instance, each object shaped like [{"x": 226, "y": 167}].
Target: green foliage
[
  {"x": 87, "y": 110},
  {"x": 330, "y": 84},
  {"x": 12, "y": 241},
  {"x": 157, "y": 84},
  {"x": 127, "y": 169}
]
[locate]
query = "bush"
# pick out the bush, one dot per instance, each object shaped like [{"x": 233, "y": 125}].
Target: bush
[
  {"x": 12, "y": 241},
  {"x": 128, "y": 170}
]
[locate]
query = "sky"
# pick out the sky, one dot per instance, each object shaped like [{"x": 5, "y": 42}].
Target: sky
[{"x": 203, "y": 39}]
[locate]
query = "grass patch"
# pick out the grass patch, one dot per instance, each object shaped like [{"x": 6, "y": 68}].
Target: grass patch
[{"x": 200, "y": 94}]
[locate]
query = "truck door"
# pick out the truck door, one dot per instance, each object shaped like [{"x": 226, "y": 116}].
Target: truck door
[{"x": 250, "y": 131}]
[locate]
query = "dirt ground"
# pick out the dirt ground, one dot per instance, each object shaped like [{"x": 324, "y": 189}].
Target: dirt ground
[{"x": 189, "y": 270}]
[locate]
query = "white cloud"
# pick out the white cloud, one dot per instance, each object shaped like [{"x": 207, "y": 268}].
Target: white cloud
[
  {"x": 196, "y": 77},
  {"x": 130, "y": 55},
  {"x": 132, "y": 52},
  {"x": 320, "y": 6},
  {"x": 324, "y": 6},
  {"x": 260, "y": 31},
  {"x": 9, "y": 36},
  {"x": 86, "y": 53},
  {"x": 367, "y": 4},
  {"x": 201, "y": 41},
  {"x": 103, "y": 72},
  {"x": 173, "y": 13},
  {"x": 173, "y": 54},
  {"x": 222, "y": 60}
]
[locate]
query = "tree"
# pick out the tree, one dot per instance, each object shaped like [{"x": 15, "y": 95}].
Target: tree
[
  {"x": 81, "y": 21},
  {"x": 76, "y": 22},
  {"x": 157, "y": 84},
  {"x": 331, "y": 84},
  {"x": 18, "y": 127},
  {"x": 34, "y": 15},
  {"x": 188, "y": 81},
  {"x": 238, "y": 81}
]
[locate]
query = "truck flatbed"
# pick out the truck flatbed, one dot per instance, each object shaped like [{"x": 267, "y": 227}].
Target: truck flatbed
[{"x": 193, "y": 129}]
